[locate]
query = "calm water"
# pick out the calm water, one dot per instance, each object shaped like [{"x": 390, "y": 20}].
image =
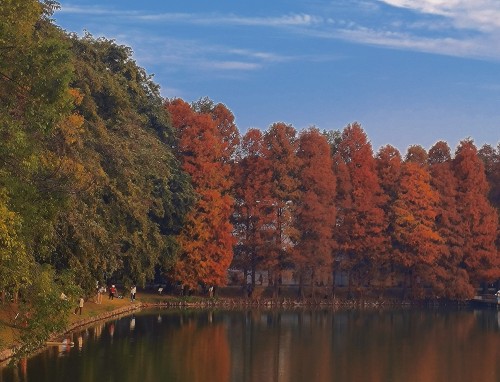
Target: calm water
[{"x": 262, "y": 346}]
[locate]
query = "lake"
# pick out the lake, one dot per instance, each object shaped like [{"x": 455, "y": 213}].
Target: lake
[{"x": 410, "y": 345}]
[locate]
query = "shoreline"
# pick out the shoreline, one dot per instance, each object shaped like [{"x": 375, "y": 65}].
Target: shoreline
[{"x": 197, "y": 302}]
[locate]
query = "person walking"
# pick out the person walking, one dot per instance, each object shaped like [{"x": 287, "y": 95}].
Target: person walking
[
  {"x": 100, "y": 291},
  {"x": 79, "y": 307},
  {"x": 133, "y": 291}
]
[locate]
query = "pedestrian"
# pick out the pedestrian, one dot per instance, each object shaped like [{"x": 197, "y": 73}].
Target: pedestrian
[
  {"x": 100, "y": 291},
  {"x": 133, "y": 291},
  {"x": 79, "y": 307},
  {"x": 112, "y": 292}
]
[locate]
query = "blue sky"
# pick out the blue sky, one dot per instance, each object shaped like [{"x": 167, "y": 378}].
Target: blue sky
[{"x": 410, "y": 71}]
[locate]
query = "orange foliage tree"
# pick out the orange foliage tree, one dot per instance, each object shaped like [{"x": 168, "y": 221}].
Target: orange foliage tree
[
  {"x": 206, "y": 241},
  {"x": 491, "y": 160},
  {"x": 417, "y": 244},
  {"x": 451, "y": 280},
  {"x": 361, "y": 221},
  {"x": 388, "y": 165},
  {"x": 281, "y": 148},
  {"x": 478, "y": 219},
  {"x": 253, "y": 217},
  {"x": 316, "y": 211}
]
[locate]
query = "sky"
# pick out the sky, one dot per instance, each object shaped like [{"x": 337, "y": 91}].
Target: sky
[{"x": 411, "y": 72}]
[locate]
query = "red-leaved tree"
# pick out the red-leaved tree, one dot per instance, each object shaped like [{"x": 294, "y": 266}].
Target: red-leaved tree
[
  {"x": 316, "y": 211},
  {"x": 417, "y": 244},
  {"x": 253, "y": 216},
  {"x": 478, "y": 219},
  {"x": 362, "y": 223},
  {"x": 281, "y": 149},
  {"x": 206, "y": 241}
]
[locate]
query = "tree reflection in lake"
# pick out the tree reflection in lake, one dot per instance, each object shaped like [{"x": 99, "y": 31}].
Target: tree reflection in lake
[{"x": 268, "y": 345}]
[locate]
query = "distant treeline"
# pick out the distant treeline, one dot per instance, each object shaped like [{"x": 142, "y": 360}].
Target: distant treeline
[{"x": 102, "y": 179}]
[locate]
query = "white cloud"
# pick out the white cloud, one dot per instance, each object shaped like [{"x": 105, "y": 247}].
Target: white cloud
[
  {"x": 292, "y": 19},
  {"x": 95, "y": 11},
  {"x": 439, "y": 45},
  {"x": 217, "y": 19},
  {"x": 198, "y": 55},
  {"x": 232, "y": 65},
  {"x": 466, "y": 28},
  {"x": 481, "y": 15}
]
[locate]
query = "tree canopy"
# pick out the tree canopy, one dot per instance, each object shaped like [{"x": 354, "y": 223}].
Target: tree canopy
[{"x": 104, "y": 180}]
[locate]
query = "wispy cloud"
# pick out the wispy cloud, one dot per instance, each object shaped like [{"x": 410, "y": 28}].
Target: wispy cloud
[
  {"x": 438, "y": 45},
  {"x": 462, "y": 28},
  {"x": 200, "y": 56},
  {"x": 476, "y": 14},
  {"x": 232, "y": 65},
  {"x": 217, "y": 19},
  {"x": 465, "y": 28},
  {"x": 292, "y": 19},
  {"x": 95, "y": 11}
]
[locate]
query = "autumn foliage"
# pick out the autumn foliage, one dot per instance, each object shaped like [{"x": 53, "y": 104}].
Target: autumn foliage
[
  {"x": 103, "y": 178},
  {"x": 205, "y": 241}
]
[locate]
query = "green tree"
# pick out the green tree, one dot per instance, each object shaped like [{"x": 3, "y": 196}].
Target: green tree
[
  {"x": 34, "y": 104},
  {"x": 132, "y": 196},
  {"x": 33, "y": 101}
]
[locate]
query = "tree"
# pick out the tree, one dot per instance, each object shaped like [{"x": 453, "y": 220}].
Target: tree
[
  {"x": 31, "y": 106},
  {"x": 417, "y": 243},
  {"x": 416, "y": 154},
  {"x": 451, "y": 280},
  {"x": 389, "y": 165},
  {"x": 15, "y": 261},
  {"x": 479, "y": 220},
  {"x": 35, "y": 103},
  {"x": 491, "y": 160},
  {"x": 224, "y": 121},
  {"x": 315, "y": 212},
  {"x": 361, "y": 232},
  {"x": 130, "y": 195},
  {"x": 252, "y": 217},
  {"x": 206, "y": 241},
  {"x": 281, "y": 147}
]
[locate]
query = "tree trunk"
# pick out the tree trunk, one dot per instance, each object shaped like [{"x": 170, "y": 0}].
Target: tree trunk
[{"x": 301, "y": 287}]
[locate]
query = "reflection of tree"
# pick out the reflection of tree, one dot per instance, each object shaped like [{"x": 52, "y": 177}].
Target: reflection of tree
[
  {"x": 290, "y": 346},
  {"x": 411, "y": 346},
  {"x": 201, "y": 353}
]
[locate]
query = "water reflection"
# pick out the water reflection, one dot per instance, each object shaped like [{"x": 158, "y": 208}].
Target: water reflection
[
  {"x": 132, "y": 323},
  {"x": 291, "y": 346},
  {"x": 80, "y": 342}
]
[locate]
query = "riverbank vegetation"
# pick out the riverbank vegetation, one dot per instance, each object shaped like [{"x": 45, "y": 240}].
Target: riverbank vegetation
[{"x": 102, "y": 180}]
